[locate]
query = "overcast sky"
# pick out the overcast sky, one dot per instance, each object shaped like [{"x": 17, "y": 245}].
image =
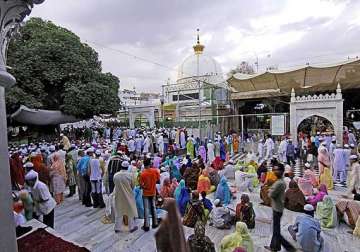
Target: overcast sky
[{"x": 284, "y": 33}]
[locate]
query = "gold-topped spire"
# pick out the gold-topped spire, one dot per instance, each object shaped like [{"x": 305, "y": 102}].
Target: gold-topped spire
[{"x": 198, "y": 48}]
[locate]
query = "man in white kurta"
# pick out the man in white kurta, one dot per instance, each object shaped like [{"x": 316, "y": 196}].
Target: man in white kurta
[
  {"x": 160, "y": 142},
  {"x": 261, "y": 149},
  {"x": 125, "y": 204},
  {"x": 282, "y": 150},
  {"x": 353, "y": 182},
  {"x": 146, "y": 146},
  {"x": 210, "y": 152},
  {"x": 182, "y": 140},
  {"x": 269, "y": 145}
]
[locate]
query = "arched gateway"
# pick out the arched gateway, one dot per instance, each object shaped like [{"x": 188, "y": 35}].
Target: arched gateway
[
  {"x": 328, "y": 106},
  {"x": 140, "y": 110}
]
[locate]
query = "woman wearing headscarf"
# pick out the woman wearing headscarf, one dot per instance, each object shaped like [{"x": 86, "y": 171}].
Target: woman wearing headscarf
[
  {"x": 251, "y": 171},
  {"x": 70, "y": 166},
  {"x": 245, "y": 212},
  {"x": 349, "y": 210},
  {"x": 166, "y": 190},
  {"x": 17, "y": 172},
  {"x": 58, "y": 178},
  {"x": 178, "y": 189},
  {"x": 223, "y": 192},
  {"x": 202, "y": 152},
  {"x": 235, "y": 141},
  {"x": 204, "y": 184},
  {"x": 313, "y": 200},
  {"x": 174, "y": 170},
  {"x": 199, "y": 242},
  {"x": 323, "y": 159},
  {"x": 174, "y": 184},
  {"x": 327, "y": 179},
  {"x": 326, "y": 213},
  {"x": 264, "y": 191},
  {"x": 190, "y": 148},
  {"x": 241, "y": 238},
  {"x": 40, "y": 168},
  {"x": 184, "y": 200},
  {"x": 194, "y": 211},
  {"x": 294, "y": 198},
  {"x": 305, "y": 183},
  {"x": 191, "y": 176},
  {"x": 170, "y": 235},
  {"x": 222, "y": 151}
]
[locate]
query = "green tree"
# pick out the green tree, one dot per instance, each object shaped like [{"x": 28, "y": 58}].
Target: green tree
[{"x": 55, "y": 70}]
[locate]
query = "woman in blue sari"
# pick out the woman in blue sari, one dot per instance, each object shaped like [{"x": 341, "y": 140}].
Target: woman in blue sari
[
  {"x": 223, "y": 192},
  {"x": 222, "y": 151},
  {"x": 178, "y": 190},
  {"x": 184, "y": 199}
]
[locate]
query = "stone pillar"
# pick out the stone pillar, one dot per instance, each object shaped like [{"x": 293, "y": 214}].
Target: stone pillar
[
  {"x": 339, "y": 128},
  {"x": 293, "y": 121},
  {"x": 12, "y": 13}
]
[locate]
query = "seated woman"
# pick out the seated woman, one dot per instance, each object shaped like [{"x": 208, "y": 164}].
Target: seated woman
[
  {"x": 220, "y": 216},
  {"x": 178, "y": 190},
  {"x": 218, "y": 164},
  {"x": 349, "y": 210},
  {"x": 326, "y": 213},
  {"x": 166, "y": 189},
  {"x": 191, "y": 176},
  {"x": 288, "y": 175},
  {"x": 241, "y": 238},
  {"x": 213, "y": 176},
  {"x": 199, "y": 242},
  {"x": 194, "y": 211},
  {"x": 264, "y": 191},
  {"x": 174, "y": 184},
  {"x": 308, "y": 172},
  {"x": 204, "y": 184},
  {"x": 184, "y": 199},
  {"x": 223, "y": 192},
  {"x": 313, "y": 200},
  {"x": 294, "y": 198},
  {"x": 206, "y": 202},
  {"x": 245, "y": 212},
  {"x": 305, "y": 183},
  {"x": 262, "y": 170},
  {"x": 229, "y": 170}
]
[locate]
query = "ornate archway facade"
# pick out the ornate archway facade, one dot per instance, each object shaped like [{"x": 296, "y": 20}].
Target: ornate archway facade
[
  {"x": 146, "y": 111},
  {"x": 329, "y": 106}
]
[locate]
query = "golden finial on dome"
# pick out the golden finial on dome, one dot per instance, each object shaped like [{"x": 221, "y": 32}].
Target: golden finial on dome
[{"x": 198, "y": 48}]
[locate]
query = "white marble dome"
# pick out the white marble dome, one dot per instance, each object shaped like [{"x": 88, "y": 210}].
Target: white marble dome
[{"x": 199, "y": 65}]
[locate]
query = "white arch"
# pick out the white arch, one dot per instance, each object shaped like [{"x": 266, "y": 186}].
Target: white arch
[
  {"x": 148, "y": 112},
  {"x": 327, "y": 106}
]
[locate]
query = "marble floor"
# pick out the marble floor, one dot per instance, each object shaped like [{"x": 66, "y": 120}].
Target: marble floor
[{"x": 82, "y": 226}]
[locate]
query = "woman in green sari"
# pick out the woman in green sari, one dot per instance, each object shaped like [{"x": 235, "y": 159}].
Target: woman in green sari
[
  {"x": 326, "y": 213},
  {"x": 241, "y": 238}
]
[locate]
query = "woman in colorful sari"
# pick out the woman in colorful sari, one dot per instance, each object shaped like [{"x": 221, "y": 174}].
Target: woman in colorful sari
[
  {"x": 222, "y": 151},
  {"x": 349, "y": 210},
  {"x": 229, "y": 144},
  {"x": 174, "y": 171},
  {"x": 223, "y": 192},
  {"x": 199, "y": 242},
  {"x": 305, "y": 184},
  {"x": 191, "y": 176},
  {"x": 323, "y": 158},
  {"x": 184, "y": 199},
  {"x": 252, "y": 172},
  {"x": 190, "y": 148},
  {"x": 235, "y": 143},
  {"x": 326, "y": 213},
  {"x": 58, "y": 178},
  {"x": 165, "y": 191},
  {"x": 294, "y": 198},
  {"x": 241, "y": 238},
  {"x": 314, "y": 200},
  {"x": 264, "y": 191},
  {"x": 174, "y": 184},
  {"x": 204, "y": 184},
  {"x": 178, "y": 190},
  {"x": 245, "y": 212},
  {"x": 327, "y": 179},
  {"x": 202, "y": 152}
]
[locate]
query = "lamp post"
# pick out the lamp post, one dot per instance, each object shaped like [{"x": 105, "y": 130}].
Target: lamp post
[
  {"x": 162, "y": 100},
  {"x": 12, "y": 13}
]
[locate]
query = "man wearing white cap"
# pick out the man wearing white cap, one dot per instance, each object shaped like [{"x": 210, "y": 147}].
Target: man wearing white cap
[
  {"x": 97, "y": 171},
  {"x": 125, "y": 204},
  {"x": 210, "y": 152},
  {"x": 352, "y": 138},
  {"x": 347, "y": 153},
  {"x": 331, "y": 151},
  {"x": 44, "y": 203},
  {"x": 269, "y": 145},
  {"x": 282, "y": 150},
  {"x": 353, "y": 182},
  {"x": 131, "y": 146},
  {"x": 307, "y": 231},
  {"x": 339, "y": 164}
]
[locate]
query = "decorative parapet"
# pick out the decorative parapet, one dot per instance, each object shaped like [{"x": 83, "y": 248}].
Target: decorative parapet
[{"x": 317, "y": 98}]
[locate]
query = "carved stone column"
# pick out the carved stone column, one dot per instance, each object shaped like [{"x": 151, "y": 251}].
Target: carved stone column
[{"x": 12, "y": 13}]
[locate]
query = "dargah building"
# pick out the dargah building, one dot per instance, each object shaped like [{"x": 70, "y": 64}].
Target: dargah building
[{"x": 313, "y": 98}]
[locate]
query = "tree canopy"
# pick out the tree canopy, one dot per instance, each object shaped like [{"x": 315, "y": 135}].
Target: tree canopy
[{"x": 55, "y": 70}]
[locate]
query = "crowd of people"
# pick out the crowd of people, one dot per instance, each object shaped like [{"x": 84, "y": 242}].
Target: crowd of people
[{"x": 139, "y": 173}]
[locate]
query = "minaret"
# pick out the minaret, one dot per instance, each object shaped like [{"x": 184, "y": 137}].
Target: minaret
[{"x": 198, "y": 48}]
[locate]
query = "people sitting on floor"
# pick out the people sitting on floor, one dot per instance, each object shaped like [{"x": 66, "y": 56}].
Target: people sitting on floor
[
  {"x": 166, "y": 189},
  {"x": 326, "y": 212},
  {"x": 194, "y": 211},
  {"x": 206, "y": 202},
  {"x": 349, "y": 211},
  {"x": 294, "y": 198},
  {"x": 184, "y": 199},
  {"x": 191, "y": 176},
  {"x": 178, "y": 189},
  {"x": 239, "y": 239},
  {"x": 220, "y": 216},
  {"x": 251, "y": 172},
  {"x": 288, "y": 175},
  {"x": 306, "y": 183},
  {"x": 204, "y": 184},
  {"x": 264, "y": 191},
  {"x": 262, "y": 170},
  {"x": 199, "y": 242},
  {"x": 245, "y": 212},
  {"x": 223, "y": 192},
  {"x": 327, "y": 179},
  {"x": 229, "y": 170},
  {"x": 213, "y": 176},
  {"x": 318, "y": 197},
  {"x": 306, "y": 231}
]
